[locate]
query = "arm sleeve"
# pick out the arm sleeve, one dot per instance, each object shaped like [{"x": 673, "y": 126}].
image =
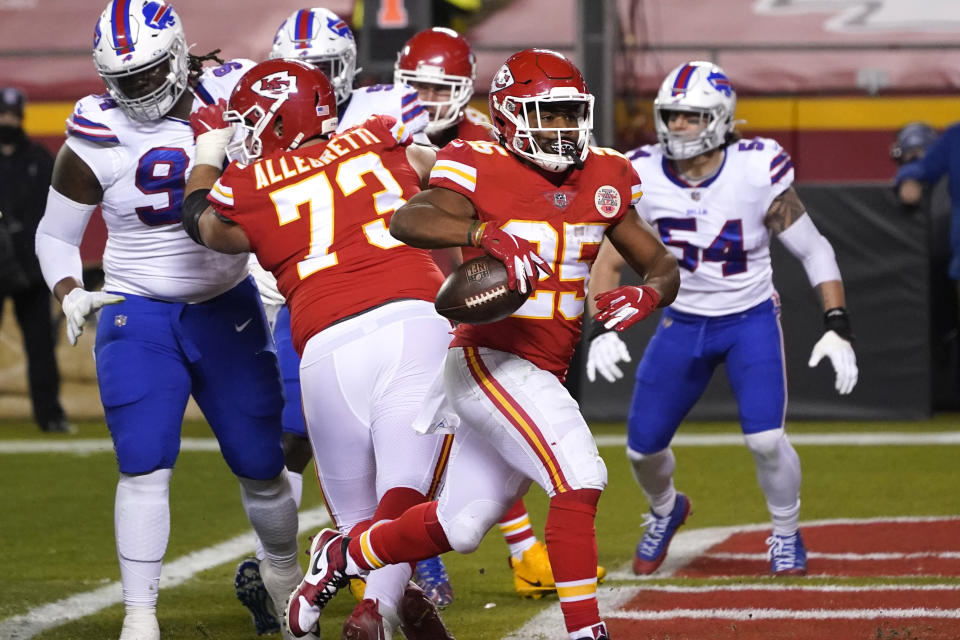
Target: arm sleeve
[
  {"x": 803, "y": 240},
  {"x": 59, "y": 235}
]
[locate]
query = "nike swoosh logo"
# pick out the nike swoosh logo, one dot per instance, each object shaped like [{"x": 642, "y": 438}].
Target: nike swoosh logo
[
  {"x": 241, "y": 327},
  {"x": 532, "y": 583}
]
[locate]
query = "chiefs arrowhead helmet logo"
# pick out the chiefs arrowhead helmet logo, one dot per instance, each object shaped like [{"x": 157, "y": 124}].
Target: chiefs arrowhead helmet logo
[
  {"x": 502, "y": 80},
  {"x": 275, "y": 85}
]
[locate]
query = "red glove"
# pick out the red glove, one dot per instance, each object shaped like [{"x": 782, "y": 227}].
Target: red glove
[
  {"x": 517, "y": 254},
  {"x": 212, "y": 134},
  {"x": 625, "y": 306},
  {"x": 209, "y": 117}
]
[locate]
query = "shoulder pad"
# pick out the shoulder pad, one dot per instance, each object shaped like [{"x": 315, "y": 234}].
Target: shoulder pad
[{"x": 95, "y": 119}]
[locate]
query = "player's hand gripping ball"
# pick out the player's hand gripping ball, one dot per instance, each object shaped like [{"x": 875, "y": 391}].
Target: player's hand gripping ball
[{"x": 477, "y": 292}]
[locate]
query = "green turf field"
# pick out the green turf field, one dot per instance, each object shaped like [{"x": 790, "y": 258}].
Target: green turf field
[{"x": 57, "y": 523}]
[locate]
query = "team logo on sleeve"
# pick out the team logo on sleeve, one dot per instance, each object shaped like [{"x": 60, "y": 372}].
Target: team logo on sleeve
[
  {"x": 607, "y": 200},
  {"x": 502, "y": 80},
  {"x": 275, "y": 85}
]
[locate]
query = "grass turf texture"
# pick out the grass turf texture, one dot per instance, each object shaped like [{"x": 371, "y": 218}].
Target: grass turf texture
[{"x": 57, "y": 525}]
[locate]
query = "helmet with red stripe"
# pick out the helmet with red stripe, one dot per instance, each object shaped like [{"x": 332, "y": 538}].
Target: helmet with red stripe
[
  {"x": 536, "y": 80},
  {"x": 141, "y": 53},
  {"x": 699, "y": 88},
  {"x": 439, "y": 59},
  {"x": 322, "y": 38},
  {"x": 279, "y": 104}
]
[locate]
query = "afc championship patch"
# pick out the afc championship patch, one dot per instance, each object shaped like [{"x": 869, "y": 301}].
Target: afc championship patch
[{"x": 607, "y": 200}]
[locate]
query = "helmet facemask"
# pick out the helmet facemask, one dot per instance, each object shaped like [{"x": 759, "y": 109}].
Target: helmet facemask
[
  {"x": 679, "y": 145},
  {"x": 560, "y": 153},
  {"x": 443, "y": 113},
  {"x": 252, "y": 123},
  {"x": 339, "y": 69}
]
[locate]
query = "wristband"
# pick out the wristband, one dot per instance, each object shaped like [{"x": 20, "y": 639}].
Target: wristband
[
  {"x": 838, "y": 321},
  {"x": 595, "y": 329},
  {"x": 476, "y": 233}
]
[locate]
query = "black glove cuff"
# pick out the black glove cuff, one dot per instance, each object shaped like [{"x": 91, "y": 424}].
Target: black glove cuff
[
  {"x": 594, "y": 329},
  {"x": 838, "y": 321}
]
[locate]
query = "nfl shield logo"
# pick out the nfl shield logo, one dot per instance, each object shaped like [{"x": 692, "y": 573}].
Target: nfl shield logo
[
  {"x": 560, "y": 200},
  {"x": 695, "y": 195}
]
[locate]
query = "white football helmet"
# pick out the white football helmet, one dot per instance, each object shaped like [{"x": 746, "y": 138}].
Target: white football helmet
[
  {"x": 322, "y": 38},
  {"x": 141, "y": 53},
  {"x": 695, "y": 87}
]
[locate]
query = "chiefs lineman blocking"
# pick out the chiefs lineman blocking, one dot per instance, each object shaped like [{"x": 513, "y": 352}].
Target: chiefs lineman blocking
[
  {"x": 540, "y": 200},
  {"x": 316, "y": 211}
]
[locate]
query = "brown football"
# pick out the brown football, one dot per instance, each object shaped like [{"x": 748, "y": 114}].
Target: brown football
[{"x": 476, "y": 292}]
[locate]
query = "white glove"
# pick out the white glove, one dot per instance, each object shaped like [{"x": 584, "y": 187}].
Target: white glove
[
  {"x": 606, "y": 350},
  {"x": 80, "y": 303},
  {"x": 842, "y": 358}
]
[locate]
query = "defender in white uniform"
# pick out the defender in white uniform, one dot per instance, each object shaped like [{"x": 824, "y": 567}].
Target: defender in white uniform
[
  {"x": 716, "y": 201},
  {"x": 181, "y": 320}
]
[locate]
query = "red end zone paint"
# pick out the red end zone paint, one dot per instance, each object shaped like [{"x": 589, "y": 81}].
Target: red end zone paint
[
  {"x": 786, "y": 629},
  {"x": 919, "y": 548}
]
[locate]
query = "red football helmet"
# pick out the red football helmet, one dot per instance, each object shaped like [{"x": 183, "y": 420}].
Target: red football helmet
[
  {"x": 279, "y": 104},
  {"x": 441, "y": 57},
  {"x": 526, "y": 83}
]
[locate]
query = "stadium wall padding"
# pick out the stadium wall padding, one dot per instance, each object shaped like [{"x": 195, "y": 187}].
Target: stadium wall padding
[{"x": 883, "y": 253}]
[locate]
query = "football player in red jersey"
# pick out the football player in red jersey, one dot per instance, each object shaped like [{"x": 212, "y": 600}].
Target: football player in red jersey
[
  {"x": 539, "y": 200},
  {"x": 315, "y": 208},
  {"x": 441, "y": 66}
]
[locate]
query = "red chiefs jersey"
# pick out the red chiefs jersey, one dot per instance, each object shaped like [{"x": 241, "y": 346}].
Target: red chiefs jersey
[
  {"x": 566, "y": 215},
  {"x": 318, "y": 218},
  {"x": 471, "y": 126}
]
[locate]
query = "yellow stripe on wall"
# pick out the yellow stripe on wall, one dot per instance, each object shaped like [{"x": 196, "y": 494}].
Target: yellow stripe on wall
[
  {"x": 46, "y": 118},
  {"x": 846, "y": 113}
]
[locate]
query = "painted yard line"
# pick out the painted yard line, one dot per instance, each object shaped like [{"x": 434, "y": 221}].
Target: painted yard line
[
  {"x": 549, "y": 622},
  {"x": 850, "y": 439},
  {"x": 104, "y": 445},
  {"x": 690, "y": 544},
  {"x": 823, "y": 588},
  {"x": 943, "y": 555},
  {"x": 178, "y": 571},
  {"x": 754, "y": 615}
]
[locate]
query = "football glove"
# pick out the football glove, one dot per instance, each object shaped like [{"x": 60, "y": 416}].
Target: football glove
[
  {"x": 518, "y": 255},
  {"x": 623, "y": 307},
  {"x": 606, "y": 351},
  {"x": 79, "y": 304},
  {"x": 212, "y": 133},
  {"x": 841, "y": 355}
]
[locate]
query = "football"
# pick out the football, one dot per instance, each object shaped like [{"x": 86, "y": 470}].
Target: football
[{"x": 476, "y": 292}]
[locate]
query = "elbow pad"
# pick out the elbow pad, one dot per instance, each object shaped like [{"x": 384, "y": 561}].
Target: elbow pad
[
  {"x": 803, "y": 240},
  {"x": 190, "y": 211},
  {"x": 59, "y": 235}
]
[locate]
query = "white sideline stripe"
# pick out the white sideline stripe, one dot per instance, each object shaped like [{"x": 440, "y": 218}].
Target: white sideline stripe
[
  {"x": 55, "y": 614},
  {"x": 942, "y": 555},
  {"x": 821, "y": 588},
  {"x": 786, "y": 614},
  {"x": 851, "y": 439},
  {"x": 103, "y": 445},
  {"x": 685, "y": 547}
]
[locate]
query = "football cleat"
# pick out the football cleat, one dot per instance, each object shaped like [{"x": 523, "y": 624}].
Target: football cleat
[
  {"x": 326, "y": 574},
  {"x": 652, "y": 549},
  {"x": 431, "y": 576},
  {"x": 788, "y": 556},
  {"x": 358, "y": 587},
  {"x": 253, "y": 595},
  {"x": 593, "y": 632},
  {"x": 366, "y": 623},
  {"x": 140, "y": 626},
  {"x": 419, "y": 618},
  {"x": 533, "y": 575}
]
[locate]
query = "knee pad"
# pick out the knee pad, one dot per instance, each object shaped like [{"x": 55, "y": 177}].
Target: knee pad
[
  {"x": 466, "y": 528},
  {"x": 765, "y": 445},
  {"x": 589, "y": 470}
]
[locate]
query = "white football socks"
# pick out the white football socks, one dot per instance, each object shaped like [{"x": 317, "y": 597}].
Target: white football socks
[
  {"x": 142, "y": 530},
  {"x": 778, "y": 473},
  {"x": 654, "y": 474}
]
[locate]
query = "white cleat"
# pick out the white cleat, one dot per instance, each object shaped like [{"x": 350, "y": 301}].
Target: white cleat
[{"x": 140, "y": 626}]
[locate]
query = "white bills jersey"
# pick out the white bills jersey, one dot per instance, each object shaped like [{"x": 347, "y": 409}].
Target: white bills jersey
[
  {"x": 398, "y": 101},
  {"x": 143, "y": 168},
  {"x": 716, "y": 227}
]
